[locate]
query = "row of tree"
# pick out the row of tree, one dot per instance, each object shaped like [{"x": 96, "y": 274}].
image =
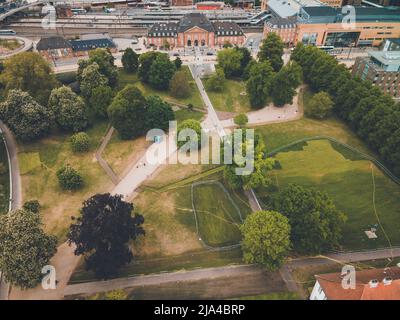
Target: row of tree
[{"x": 373, "y": 115}]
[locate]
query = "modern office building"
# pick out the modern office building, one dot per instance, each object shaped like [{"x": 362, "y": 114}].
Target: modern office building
[
  {"x": 382, "y": 68},
  {"x": 195, "y": 30},
  {"x": 324, "y": 25}
]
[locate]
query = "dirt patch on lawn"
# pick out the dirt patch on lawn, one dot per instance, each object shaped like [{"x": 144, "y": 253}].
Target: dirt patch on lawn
[
  {"x": 165, "y": 232},
  {"x": 255, "y": 283}
]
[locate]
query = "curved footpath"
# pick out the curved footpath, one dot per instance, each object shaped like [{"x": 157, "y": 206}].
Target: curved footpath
[{"x": 15, "y": 187}]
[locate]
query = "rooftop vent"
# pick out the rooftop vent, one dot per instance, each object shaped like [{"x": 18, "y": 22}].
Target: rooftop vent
[
  {"x": 387, "y": 281},
  {"x": 373, "y": 283}
]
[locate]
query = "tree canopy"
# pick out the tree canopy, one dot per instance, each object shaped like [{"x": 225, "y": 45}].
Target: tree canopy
[
  {"x": 285, "y": 82},
  {"x": 158, "y": 113},
  {"x": 68, "y": 108},
  {"x": 266, "y": 239},
  {"x": 271, "y": 50},
  {"x": 258, "y": 86},
  {"x": 127, "y": 112},
  {"x": 105, "y": 60},
  {"x": 161, "y": 72},
  {"x": 103, "y": 231},
  {"x": 368, "y": 110},
  {"x": 26, "y": 118},
  {"x": 29, "y": 72},
  {"x": 316, "y": 222},
  {"x": 320, "y": 105},
  {"x": 130, "y": 60},
  {"x": 230, "y": 60},
  {"x": 25, "y": 248},
  {"x": 179, "y": 85},
  {"x": 216, "y": 82},
  {"x": 261, "y": 165}
]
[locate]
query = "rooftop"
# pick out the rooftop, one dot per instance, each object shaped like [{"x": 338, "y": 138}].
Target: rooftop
[
  {"x": 331, "y": 284},
  {"x": 51, "y": 43},
  {"x": 325, "y": 14},
  {"x": 289, "y": 8},
  {"x": 192, "y": 20}
]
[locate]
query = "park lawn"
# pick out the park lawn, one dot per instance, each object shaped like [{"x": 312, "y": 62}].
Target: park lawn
[
  {"x": 4, "y": 179},
  {"x": 184, "y": 114},
  {"x": 194, "y": 98},
  {"x": 39, "y": 162},
  {"x": 122, "y": 154},
  {"x": 348, "y": 181},
  {"x": 171, "y": 242},
  {"x": 280, "y": 134},
  {"x": 230, "y": 99},
  {"x": 218, "y": 216}
]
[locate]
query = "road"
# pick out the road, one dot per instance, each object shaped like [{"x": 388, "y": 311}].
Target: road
[
  {"x": 90, "y": 288},
  {"x": 27, "y": 45},
  {"x": 15, "y": 183}
]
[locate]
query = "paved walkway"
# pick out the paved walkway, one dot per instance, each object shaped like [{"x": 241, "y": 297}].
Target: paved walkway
[
  {"x": 106, "y": 167},
  {"x": 148, "y": 280},
  {"x": 15, "y": 184},
  {"x": 271, "y": 114},
  {"x": 90, "y": 288},
  {"x": 65, "y": 262}
]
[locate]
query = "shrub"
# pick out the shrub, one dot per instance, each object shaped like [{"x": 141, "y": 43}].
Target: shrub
[
  {"x": 80, "y": 142},
  {"x": 32, "y": 206},
  {"x": 69, "y": 178},
  {"x": 241, "y": 120}
]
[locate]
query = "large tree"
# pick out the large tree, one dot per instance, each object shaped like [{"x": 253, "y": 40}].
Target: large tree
[
  {"x": 320, "y": 105},
  {"x": 145, "y": 62},
  {"x": 259, "y": 165},
  {"x": 30, "y": 72},
  {"x": 99, "y": 100},
  {"x": 130, "y": 60},
  {"x": 284, "y": 85},
  {"x": 90, "y": 79},
  {"x": 266, "y": 239},
  {"x": 103, "y": 231},
  {"x": 161, "y": 72},
  {"x": 69, "y": 110},
  {"x": 216, "y": 82},
  {"x": 189, "y": 124},
  {"x": 179, "y": 85},
  {"x": 105, "y": 60},
  {"x": 230, "y": 60},
  {"x": 271, "y": 49},
  {"x": 25, "y": 117},
  {"x": 158, "y": 113},
  {"x": 258, "y": 85},
  {"x": 25, "y": 248},
  {"x": 127, "y": 112},
  {"x": 316, "y": 222}
]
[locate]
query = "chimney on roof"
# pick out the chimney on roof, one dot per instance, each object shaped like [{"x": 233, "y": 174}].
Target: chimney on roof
[
  {"x": 387, "y": 281},
  {"x": 373, "y": 283}
]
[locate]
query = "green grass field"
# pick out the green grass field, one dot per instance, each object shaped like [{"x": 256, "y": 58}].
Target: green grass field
[
  {"x": 39, "y": 162},
  {"x": 218, "y": 215},
  {"x": 4, "y": 179},
  {"x": 349, "y": 181},
  {"x": 230, "y": 99},
  {"x": 194, "y": 98},
  {"x": 184, "y": 114}
]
